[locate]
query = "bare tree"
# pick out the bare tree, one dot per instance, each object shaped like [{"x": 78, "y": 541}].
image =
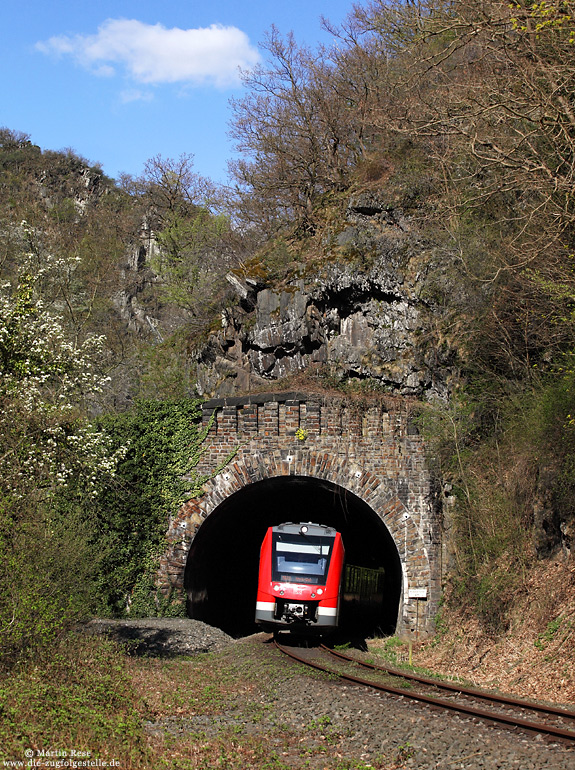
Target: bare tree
[
  {"x": 495, "y": 82},
  {"x": 296, "y": 130}
]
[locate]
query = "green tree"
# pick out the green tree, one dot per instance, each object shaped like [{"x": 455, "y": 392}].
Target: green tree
[{"x": 193, "y": 240}]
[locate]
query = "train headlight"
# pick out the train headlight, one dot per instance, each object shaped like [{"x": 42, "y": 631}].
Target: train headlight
[
  {"x": 319, "y": 591},
  {"x": 276, "y": 588}
]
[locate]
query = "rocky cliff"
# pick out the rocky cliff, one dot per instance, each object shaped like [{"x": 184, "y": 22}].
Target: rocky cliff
[{"x": 369, "y": 310}]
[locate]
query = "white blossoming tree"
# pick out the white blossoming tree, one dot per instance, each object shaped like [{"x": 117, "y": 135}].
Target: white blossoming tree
[{"x": 46, "y": 444}]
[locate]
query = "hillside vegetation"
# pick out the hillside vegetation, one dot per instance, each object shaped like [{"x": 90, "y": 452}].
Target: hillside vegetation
[{"x": 461, "y": 115}]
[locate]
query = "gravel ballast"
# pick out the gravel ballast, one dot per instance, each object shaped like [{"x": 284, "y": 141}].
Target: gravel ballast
[
  {"x": 351, "y": 723},
  {"x": 416, "y": 736},
  {"x": 162, "y": 636}
]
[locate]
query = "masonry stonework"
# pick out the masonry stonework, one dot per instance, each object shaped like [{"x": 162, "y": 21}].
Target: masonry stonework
[{"x": 373, "y": 451}]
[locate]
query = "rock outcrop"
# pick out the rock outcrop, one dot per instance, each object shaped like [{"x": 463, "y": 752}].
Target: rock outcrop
[{"x": 370, "y": 312}]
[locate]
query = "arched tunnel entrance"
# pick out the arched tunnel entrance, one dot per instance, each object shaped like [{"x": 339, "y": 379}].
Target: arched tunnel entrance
[{"x": 222, "y": 564}]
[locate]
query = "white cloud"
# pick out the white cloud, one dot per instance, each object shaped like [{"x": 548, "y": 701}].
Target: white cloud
[
  {"x": 153, "y": 54},
  {"x": 135, "y": 95}
]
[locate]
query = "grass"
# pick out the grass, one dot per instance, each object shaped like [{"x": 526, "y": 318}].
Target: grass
[
  {"x": 77, "y": 697},
  {"x": 395, "y": 653},
  {"x": 210, "y": 712},
  {"x": 544, "y": 639}
]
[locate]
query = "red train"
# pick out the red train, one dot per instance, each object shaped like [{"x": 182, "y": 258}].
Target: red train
[{"x": 300, "y": 578}]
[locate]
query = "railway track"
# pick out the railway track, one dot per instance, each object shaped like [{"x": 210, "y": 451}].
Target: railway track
[{"x": 553, "y": 722}]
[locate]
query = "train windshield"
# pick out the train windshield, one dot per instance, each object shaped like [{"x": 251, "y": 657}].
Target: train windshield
[{"x": 300, "y": 558}]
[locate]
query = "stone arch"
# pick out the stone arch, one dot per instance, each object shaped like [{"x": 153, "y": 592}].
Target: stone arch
[
  {"x": 221, "y": 570},
  {"x": 378, "y": 493}
]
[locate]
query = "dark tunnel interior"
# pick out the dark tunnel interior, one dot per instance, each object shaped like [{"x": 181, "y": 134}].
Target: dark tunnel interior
[{"x": 222, "y": 565}]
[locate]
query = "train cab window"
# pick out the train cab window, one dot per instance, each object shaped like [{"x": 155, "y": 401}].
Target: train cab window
[{"x": 299, "y": 559}]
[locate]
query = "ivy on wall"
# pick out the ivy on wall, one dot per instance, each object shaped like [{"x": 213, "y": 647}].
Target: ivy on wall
[{"x": 163, "y": 444}]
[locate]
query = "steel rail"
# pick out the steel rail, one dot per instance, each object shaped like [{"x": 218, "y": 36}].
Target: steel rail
[
  {"x": 492, "y": 697},
  {"x": 498, "y": 718}
]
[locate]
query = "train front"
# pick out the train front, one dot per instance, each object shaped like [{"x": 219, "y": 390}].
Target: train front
[{"x": 300, "y": 578}]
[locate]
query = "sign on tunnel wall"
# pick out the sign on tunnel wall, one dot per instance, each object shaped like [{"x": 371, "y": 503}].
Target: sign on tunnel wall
[{"x": 370, "y": 450}]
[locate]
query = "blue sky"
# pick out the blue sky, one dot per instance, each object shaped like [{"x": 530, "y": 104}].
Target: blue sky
[{"x": 120, "y": 82}]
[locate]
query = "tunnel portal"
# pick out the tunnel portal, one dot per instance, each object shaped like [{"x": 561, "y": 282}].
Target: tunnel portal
[
  {"x": 222, "y": 565},
  {"x": 275, "y": 457}
]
